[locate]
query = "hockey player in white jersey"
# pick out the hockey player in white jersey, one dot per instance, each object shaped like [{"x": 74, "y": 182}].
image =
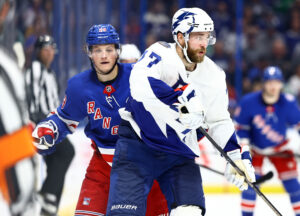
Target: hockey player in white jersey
[{"x": 174, "y": 90}]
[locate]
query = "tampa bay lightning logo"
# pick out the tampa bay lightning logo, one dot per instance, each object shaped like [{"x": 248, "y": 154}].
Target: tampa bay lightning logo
[
  {"x": 183, "y": 16},
  {"x": 179, "y": 82}
]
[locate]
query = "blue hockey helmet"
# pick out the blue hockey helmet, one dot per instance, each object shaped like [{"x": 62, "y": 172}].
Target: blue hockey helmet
[
  {"x": 102, "y": 34},
  {"x": 272, "y": 73}
]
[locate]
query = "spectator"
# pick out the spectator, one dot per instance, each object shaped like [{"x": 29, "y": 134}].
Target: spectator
[
  {"x": 293, "y": 33},
  {"x": 157, "y": 21},
  {"x": 253, "y": 49},
  {"x": 279, "y": 56},
  {"x": 221, "y": 16}
]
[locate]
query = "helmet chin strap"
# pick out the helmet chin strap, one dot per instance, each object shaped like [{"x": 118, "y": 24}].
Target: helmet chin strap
[
  {"x": 184, "y": 49},
  {"x": 185, "y": 52}
]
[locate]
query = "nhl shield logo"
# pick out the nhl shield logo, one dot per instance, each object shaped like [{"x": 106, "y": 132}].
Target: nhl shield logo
[{"x": 109, "y": 89}]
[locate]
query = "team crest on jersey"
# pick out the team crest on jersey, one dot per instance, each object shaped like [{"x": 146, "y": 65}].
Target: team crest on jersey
[
  {"x": 109, "y": 89},
  {"x": 270, "y": 113},
  {"x": 110, "y": 99},
  {"x": 64, "y": 102},
  {"x": 270, "y": 109}
]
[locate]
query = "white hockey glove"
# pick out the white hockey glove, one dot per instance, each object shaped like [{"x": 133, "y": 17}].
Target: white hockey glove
[
  {"x": 191, "y": 112},
  {"x": 243, "y": 161},
  {"x": 44, "y": 137}
]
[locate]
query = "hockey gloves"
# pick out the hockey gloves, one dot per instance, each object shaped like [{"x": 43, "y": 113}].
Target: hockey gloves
[
  {"x": 191, "y": 113},
  {"x": 44, "y": 136},
  {"x": 243, "y": 161}
]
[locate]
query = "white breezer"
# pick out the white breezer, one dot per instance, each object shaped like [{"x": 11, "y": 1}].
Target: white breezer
[{"x": 186, "y": 210}]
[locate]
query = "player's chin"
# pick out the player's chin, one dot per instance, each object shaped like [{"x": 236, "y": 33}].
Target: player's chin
[
  {"x": 197, "y": 59},
  {"x": 105, "y": 69}
]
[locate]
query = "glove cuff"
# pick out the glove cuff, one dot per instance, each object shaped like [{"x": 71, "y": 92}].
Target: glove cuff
[
  {"x": 245, "y": 151},
  {"x": 235, "y": 155}
]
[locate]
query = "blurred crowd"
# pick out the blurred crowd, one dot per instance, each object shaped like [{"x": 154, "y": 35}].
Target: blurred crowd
[{"x": 271, "y": 33}]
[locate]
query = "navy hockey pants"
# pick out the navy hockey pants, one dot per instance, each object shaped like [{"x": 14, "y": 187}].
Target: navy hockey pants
[{"x": 134, "y": 168}]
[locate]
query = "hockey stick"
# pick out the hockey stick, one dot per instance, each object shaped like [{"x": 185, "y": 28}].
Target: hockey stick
[
  {"x": 211, "y": 169},
  {"x": 280, "y": 154},
  {"x": 284, "y": 155},
  {"x": 240, "y": 172},
  {"x": 261, "y": 180}
]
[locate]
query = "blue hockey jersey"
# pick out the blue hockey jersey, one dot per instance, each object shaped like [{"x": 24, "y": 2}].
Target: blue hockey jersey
[
  {"x": 87, "y": 97},
  {"x": 265, "y": 125}
]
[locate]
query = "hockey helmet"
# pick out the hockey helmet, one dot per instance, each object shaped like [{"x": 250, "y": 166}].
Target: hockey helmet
[
  {"x": 272, "y": 73},
  {"x": 187, "y": 20},
  {"x": 43, "y": 41},
  {"x": 102, "y": 34},
  {"x": 129, "y": 51}
]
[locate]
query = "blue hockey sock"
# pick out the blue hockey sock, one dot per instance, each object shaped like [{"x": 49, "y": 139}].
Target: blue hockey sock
[
  {"x": 292, "y": 186},
  {"x": 248, "y": 202}
]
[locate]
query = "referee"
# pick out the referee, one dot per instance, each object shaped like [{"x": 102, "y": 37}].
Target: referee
[{"x": 42, "y": 95}]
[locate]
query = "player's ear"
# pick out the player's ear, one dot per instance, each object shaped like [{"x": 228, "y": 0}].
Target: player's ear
[
  {"x": 180, "y": 39},
  {"x": 88, "y": 51},
  {"x": 119, "y": 50}
]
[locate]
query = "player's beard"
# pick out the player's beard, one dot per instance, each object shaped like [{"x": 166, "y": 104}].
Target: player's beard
[{"x": 193, "y": 54}]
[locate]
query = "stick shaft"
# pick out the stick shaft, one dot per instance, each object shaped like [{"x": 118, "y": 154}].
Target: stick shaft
[
  {"x": 228, "y": 159},
  {"x": 261, "y": 180}
]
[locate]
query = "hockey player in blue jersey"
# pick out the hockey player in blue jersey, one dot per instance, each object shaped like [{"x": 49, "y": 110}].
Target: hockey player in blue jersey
[
  {"x": 157, "y": 136},
  {"x": 262, "y": 119},
  {"x": 97, "y": 94}
]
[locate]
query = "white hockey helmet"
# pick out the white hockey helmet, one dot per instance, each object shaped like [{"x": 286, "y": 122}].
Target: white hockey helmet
[
  {"x": 129, "y": 51},
  {"x": 187, "y": 20}
]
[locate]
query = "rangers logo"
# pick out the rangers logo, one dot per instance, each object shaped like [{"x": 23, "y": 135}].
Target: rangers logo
[
  {"x": 102, "y": 29},
  {"x": 86, "y": 201}
]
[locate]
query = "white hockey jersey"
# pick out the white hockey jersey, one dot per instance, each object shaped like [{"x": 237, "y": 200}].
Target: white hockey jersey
[{"x": 150, "y": 108}]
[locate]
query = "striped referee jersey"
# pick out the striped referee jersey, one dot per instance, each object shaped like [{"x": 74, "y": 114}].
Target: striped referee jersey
[
  {"x": 12, "y": 94},
  {"x": 42, "y": 91}
]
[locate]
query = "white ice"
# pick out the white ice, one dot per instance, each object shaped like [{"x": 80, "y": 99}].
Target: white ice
[{"x": 224, "y": 204}]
